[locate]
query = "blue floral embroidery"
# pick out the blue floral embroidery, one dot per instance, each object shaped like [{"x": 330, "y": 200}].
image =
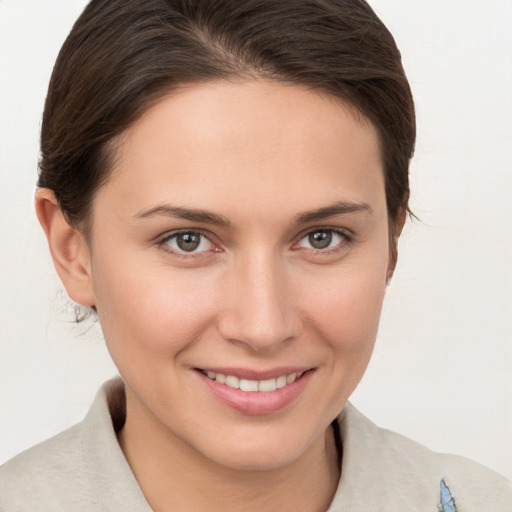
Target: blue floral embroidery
[{"x": 447, "y": 501}]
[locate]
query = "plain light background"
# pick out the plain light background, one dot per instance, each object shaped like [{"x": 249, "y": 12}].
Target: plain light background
[{"x": 442, "y": 369}]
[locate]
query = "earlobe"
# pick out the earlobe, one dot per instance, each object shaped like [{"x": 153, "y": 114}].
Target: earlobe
[{"x": 68, "y": 248}]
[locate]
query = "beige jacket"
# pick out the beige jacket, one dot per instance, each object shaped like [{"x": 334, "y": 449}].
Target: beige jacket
[{"x": 84, "y": 470}]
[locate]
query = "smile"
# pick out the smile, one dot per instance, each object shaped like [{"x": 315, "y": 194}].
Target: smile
[
  {"x": 250, "y": 395},
  {"x": 247, "y": 385}
]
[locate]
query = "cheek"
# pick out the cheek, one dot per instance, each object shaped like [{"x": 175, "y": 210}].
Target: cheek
[
  {"x": 348, "y": 324},
  {"x": 346, "y": 320},
  {"x": 150, "y": 312},
  {"x": 349, "y": 298},
  {"x": 344, "y": 310}
]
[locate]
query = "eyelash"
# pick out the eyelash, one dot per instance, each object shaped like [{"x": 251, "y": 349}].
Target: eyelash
[
  {"x": 163, "y": 243},
  {"x": 347, "y": 239}
]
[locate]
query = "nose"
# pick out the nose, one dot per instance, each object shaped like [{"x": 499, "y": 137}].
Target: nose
[{"x": 260, "y": 307}]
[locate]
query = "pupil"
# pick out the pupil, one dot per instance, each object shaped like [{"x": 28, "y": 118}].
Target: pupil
[
  {"x": 188, "y": 241},
  {"x": 320, "y": 239}
]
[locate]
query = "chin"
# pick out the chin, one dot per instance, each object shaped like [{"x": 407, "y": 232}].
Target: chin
[
  {"x": 242, "y": 460},
  {"x": 267, "y": 450}
]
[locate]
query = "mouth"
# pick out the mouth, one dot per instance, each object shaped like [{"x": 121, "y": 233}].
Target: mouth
[
  {"x": 253, "y": 385},
  {"x": 256, "y": 393}
]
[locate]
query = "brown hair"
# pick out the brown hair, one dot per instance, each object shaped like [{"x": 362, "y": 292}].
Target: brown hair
[{"x": 122, "y": 55}]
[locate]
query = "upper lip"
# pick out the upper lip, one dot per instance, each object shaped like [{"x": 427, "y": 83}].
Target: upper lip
[{"x": 251, "y": 374}]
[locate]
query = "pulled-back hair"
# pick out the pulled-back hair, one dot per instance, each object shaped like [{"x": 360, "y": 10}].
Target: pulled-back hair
[{"x": 123, "y": 55}]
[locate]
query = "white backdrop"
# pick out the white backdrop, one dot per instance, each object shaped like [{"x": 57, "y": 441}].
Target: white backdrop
[{"x": 442, "y": 370}]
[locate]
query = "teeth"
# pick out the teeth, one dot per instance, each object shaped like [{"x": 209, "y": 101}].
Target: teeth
[
  {"x": 267, "y": 385},
  {"x": 248, "y": 385},
  {"x": 232, "y": 381},
  {"x": 253, "y": 385},
  {"x": 281, "y": 382}
]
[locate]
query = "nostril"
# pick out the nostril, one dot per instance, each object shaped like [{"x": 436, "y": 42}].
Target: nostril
[
  {"x": 259, "y": 335},
  {"x": 260, "y": 310}
]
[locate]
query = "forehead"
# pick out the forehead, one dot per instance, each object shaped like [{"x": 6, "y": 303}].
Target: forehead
[{"x": 257, "y": 141}]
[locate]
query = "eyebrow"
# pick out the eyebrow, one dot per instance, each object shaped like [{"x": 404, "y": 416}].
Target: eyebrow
[
  {"x": 340, "y": 208},
  {"x": 194, "y": 215}
]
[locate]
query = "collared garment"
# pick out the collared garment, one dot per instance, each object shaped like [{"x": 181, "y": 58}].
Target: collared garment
[{"x": 83, "y": 469}]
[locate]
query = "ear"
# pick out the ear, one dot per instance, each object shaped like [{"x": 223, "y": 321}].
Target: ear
[
  {"x": 395, "y": 228},
  {"x": 68, "y": 248}
]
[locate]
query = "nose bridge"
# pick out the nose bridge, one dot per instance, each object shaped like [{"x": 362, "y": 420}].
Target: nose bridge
[{"x": 261, "y": 312}]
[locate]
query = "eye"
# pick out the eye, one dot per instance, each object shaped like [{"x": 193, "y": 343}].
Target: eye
[
  {"x": 323, "y": 239},
  {"x": 188, "y": 242}
]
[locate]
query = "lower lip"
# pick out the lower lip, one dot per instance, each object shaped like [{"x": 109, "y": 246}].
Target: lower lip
[{"x": 257, "y": 403}]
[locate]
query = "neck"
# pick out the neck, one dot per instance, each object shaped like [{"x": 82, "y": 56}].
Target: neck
[{"x": 174, "y": 476}]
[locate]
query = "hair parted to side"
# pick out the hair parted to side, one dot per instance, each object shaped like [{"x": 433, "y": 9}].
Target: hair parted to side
[{"x": 123, "y": 55}]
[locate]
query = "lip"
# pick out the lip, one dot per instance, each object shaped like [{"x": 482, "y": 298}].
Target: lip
[
  {"x": 256, "y": 403},
  {"x": 251, "y": 374}
]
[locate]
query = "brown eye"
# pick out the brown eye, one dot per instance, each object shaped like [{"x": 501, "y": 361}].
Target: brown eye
[
  {"x": 323, "y": 239},
  {"x": 320, "y": 239},
  {"x": 188, "y": 241}
]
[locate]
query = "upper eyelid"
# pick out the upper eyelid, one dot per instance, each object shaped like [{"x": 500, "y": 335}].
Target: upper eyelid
[
  {"x": 346, "y": 234},
  {"x": 175, "y": 232},
  {"x": 342, "y": 231},
  {"x": 182, "y": 255},
  {"x": 161, "y": 240}
]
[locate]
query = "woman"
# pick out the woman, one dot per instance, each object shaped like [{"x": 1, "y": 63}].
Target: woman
[{"x": 224, "y": 184}]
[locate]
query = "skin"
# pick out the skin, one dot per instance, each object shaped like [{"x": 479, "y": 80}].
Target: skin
[{"x": 255, "y": 294}]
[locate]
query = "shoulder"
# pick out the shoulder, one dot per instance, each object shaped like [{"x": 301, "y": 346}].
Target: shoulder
[
  {"x": 405, "y": 475},
  {"x": 46, "y": 473},
  {"x": 81, "y": 469}
]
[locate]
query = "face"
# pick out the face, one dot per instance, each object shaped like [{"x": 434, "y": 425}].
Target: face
[{"x": 238, "y": 258}]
